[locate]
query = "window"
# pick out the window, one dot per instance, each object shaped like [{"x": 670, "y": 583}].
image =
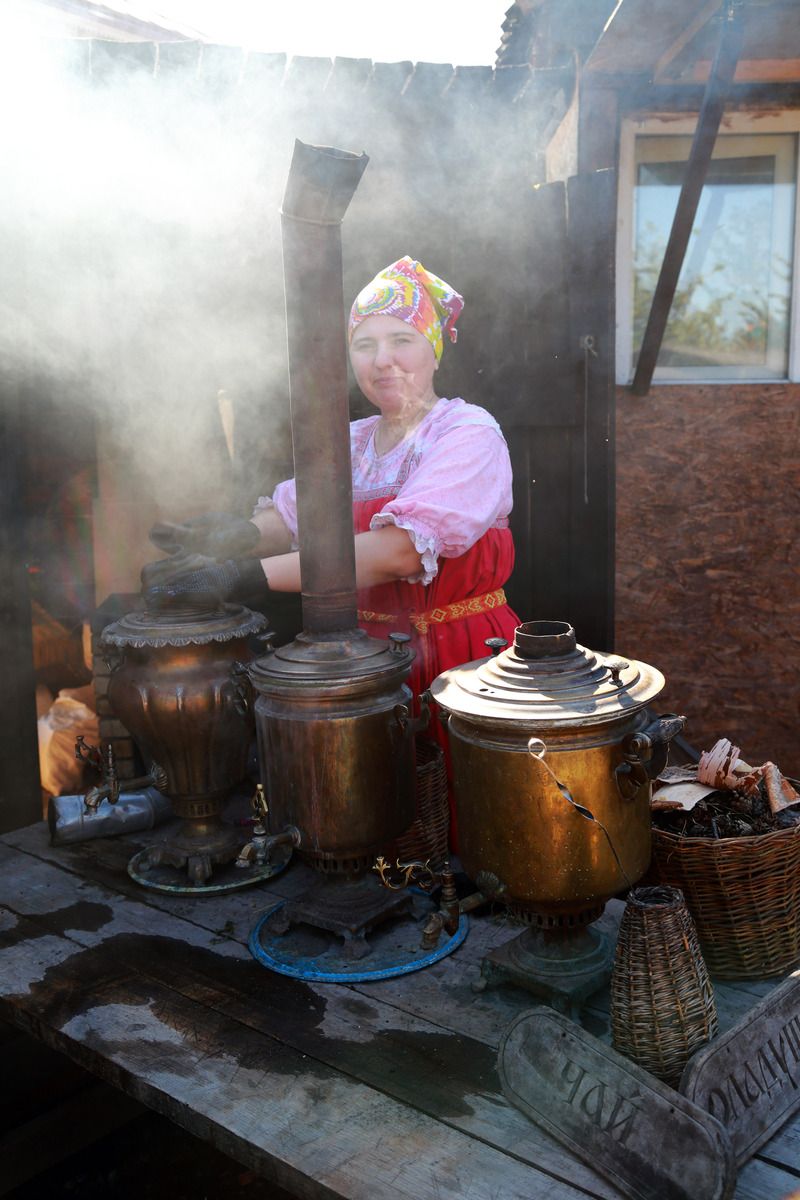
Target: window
[{"x": 732, "y": 315}]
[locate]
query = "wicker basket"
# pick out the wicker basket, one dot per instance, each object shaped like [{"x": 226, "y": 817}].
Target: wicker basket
[
  {"x": 427, "y": 838},
  {"x": 744, "y": 896},
  {"x": 662, "y": 1001}
]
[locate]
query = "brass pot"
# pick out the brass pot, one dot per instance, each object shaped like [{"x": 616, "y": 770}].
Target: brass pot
[
  {"x": 549, "y": 742},
  {"x": 336, "y": 744}
]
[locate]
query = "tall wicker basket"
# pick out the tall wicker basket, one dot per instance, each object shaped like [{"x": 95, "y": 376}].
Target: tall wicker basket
[
  {"x": 426, "y": 839},
  {"x": 744, "y": 896},
  {"x": 662, "y": 1001}
]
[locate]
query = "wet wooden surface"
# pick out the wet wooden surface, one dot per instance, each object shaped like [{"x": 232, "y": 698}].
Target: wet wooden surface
[{"x": 387, "y": 1089}]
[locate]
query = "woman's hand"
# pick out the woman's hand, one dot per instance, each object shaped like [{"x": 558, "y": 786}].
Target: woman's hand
[
  {"x": 199, "y": 582},
  {"x": 216, "y": 535}
]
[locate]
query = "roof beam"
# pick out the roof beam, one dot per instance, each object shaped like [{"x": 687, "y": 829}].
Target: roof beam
[
  {"x": 708, "y": 121},
  {"x": 680, "y": 43},
  {"x": 639, "y": 33}
]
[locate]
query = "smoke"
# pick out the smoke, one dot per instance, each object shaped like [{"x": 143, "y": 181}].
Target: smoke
[
  {"x": 140, "y": 234},
  {"x": 141, "y": 240}
]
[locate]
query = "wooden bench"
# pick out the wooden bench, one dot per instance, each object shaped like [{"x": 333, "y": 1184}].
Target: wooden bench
[{"x": 379, "y": 1090}]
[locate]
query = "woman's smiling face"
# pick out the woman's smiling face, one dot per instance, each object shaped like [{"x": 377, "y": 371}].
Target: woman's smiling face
[{"x": 394, "y": 365}]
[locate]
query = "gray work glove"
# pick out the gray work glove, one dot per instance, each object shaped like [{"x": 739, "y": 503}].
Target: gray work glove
[
  {"x": 215, "y": 535},
  {"x": 197, "y": 582}
]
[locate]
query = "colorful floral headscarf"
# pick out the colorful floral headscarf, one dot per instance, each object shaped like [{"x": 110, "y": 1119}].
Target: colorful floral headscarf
[{"x": 406, "y": 290}]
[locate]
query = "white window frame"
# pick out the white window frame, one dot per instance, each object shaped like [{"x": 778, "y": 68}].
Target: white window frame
[{"x": 750, "y": 123}]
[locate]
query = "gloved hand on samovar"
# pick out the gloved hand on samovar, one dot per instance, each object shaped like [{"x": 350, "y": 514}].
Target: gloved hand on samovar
[
  {"x": 196, "y": 581},
  {"x": 217, "y": 535}
]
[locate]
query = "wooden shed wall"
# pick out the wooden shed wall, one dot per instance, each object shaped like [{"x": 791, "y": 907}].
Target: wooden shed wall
[{"x": 708, "y": 558}]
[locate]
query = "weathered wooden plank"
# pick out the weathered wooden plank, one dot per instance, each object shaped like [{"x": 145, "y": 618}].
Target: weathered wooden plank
[
  {"x": 763, "y": 1181},
  {"x": 783, "y": 1150},
  {"x": 309, "y": 1127},
  {"x": 446, "y": 1075},
  {"x": 441, "y": 995}
]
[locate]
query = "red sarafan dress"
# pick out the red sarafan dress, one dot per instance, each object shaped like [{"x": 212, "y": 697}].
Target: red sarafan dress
[{"x": 448, "y": 483}]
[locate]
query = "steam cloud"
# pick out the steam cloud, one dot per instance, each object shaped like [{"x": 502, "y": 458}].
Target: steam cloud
[{"x": 141, "y": 238}]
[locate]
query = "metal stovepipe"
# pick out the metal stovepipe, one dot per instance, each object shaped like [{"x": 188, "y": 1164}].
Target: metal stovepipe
[{"x": 321, "y": 183}]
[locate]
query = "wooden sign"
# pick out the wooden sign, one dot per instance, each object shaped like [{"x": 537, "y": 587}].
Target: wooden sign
[
  {"x": 749, "y": 1079},
  {"x": 646, "y": 1139}
]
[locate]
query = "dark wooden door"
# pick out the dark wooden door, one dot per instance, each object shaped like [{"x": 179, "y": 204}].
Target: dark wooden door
[{"x": 541, "y": 358}]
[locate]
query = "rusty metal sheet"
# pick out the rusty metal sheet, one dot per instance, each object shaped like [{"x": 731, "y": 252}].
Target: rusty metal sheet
[
  {"x": 648, "y": 1140},
  {"x": 749, "y": 1079}
]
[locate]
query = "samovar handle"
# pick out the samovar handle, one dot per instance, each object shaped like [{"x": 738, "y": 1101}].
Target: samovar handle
[
  {"x": 414, "y": 725},
  {"x": 646, "y": 753},
  {"x": 113, "y": 656},
  {"x": 242, "y": 688}
]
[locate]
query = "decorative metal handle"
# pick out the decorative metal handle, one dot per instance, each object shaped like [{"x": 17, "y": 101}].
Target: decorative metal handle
[
  {"x": 258, "y": 803},
  {"x": 113, "y": 657},
  {"x": 242, "y": 689},
  {"x": 90, "y": 754},
  {"x": 495, "y": 644},
  {"x": 420, "y": 874},
  {"x": 263, "y": 642},
  {"x": 645, "y": 754}
]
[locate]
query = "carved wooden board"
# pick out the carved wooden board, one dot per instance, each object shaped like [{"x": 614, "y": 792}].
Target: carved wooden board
[
  {"x": 749, "y": 1079},
  {"x": 648, "y": 1140}
]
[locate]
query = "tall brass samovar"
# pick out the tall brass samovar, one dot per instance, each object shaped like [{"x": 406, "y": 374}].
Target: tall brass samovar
[
  {"x": 553, "y": 755},
  {"x": 335, "y": 736}
]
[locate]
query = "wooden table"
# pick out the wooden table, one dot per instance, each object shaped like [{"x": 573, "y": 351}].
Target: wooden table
[{"x": 382, "y": 1090}]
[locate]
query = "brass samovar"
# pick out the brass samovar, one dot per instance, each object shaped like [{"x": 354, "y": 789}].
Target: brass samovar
[{"x": 553, "y": 755}]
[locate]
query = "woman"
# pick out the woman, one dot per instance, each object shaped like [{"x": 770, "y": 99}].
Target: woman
[{"x": 431, "y": 492}]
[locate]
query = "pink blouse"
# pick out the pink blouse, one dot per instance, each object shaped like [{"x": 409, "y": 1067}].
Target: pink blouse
[{"x": 446, "y": 483}]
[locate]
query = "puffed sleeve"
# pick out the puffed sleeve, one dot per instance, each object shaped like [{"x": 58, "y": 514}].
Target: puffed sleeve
[
  {"x": 284, "y": 499},
  {"x": 460, "y": 487}
]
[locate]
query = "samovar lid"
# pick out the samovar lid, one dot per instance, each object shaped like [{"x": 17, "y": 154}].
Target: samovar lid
[
  {"x": 547, "y": 679},
  {"x": 340, "y": 658},
  {"x": 174, "y": 627}
]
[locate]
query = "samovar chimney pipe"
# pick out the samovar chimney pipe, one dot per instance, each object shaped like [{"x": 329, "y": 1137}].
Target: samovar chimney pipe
[{"x": 320, "y": 186}]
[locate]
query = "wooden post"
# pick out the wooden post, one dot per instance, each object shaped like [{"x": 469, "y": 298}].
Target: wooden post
[{"x": 20, "y": 792}]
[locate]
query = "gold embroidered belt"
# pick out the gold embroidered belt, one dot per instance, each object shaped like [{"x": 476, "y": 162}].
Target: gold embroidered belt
[{"x": 437, "y": 616}]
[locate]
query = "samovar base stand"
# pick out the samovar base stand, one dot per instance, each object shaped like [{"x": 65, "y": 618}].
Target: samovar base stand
[
  {"x": 562, "y": 966},
  {"x": 323, "y": 935},
  {"x": 201, "y": 858},
  {"x": 348, "y": 909}
]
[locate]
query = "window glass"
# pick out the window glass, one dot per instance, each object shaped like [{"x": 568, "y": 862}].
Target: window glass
[{"x": 730, "y": 316}]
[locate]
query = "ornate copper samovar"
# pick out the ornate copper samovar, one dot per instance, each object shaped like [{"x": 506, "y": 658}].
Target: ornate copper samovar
[
  {"x": 176, "y": 684},
  {"x": 553, "y": 755}
]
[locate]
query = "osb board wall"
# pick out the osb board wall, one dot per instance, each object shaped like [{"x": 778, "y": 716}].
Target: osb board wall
[{"x": 708, "y": 559}]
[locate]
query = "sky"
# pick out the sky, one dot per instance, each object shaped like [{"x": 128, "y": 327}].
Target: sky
[{"x": 462, "y": 32}]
